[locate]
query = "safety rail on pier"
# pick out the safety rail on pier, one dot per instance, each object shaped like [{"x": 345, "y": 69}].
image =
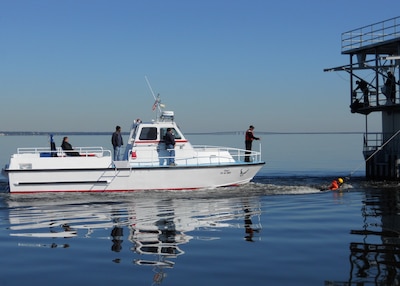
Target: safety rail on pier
[
  {"x": 378, "y": 140},
  {"x": 372, "y": 34}
]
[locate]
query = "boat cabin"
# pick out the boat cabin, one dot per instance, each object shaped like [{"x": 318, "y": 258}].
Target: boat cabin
[{"x": 146, "y": 145}]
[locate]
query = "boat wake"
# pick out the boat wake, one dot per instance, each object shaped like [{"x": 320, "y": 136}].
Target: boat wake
[
  {"x": 290, "y": 185},
  {"x": 277, "y": 189}
]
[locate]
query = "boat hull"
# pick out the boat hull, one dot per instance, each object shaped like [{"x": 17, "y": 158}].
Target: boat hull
[{"x": 131, "y": 179}]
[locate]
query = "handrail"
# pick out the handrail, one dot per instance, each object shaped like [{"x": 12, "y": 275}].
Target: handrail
[
  {"x": 376, "y": 148},
  {"x": 234, "y": 152},
  {"x": 203, "y": 155},
  {"x": 83, "y": 151},
  {"x": 219, "y": 157},
  {"x": 371, "y": 34},
  {"x": 379, "y": 143}
]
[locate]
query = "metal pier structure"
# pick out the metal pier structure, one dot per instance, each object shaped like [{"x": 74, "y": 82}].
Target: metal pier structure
[{"x": 374, "y": 55}]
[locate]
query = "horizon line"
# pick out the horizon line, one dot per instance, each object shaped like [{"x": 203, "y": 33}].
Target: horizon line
[{"x": 21, "y": 133}]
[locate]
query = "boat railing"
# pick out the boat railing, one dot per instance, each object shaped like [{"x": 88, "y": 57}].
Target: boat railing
[
  {"x": 237, "y": 154},
  {"x": 203, "y": 155},
  {"x": 59, "y": 152}
]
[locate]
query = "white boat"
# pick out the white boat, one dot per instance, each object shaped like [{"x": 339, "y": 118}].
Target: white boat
[{"x": 143, "y": 166}]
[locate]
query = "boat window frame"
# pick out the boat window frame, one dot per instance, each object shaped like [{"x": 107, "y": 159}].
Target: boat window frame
[
  {"x": 163, "y": 131},
  {"x": 148, "y": 130}
]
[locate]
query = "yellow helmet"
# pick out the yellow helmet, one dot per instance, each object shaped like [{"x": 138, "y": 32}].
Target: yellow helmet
[{"x": 340, "y": 180}]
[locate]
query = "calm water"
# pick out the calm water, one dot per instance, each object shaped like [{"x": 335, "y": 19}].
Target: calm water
[{"x": 279, "y": 229}]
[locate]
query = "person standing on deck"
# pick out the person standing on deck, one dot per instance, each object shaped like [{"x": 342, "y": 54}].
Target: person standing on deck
[
  {"x": 248, "y": 142},
  {"x": 170, "y": 146},
  {"x": 117, "y": 142}
]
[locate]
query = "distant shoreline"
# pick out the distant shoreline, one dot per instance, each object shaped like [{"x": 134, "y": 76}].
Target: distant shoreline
[{"x": 42, "y": 133}]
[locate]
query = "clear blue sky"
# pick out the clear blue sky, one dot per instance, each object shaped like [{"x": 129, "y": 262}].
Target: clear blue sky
[{"x": 80, "y": 65}]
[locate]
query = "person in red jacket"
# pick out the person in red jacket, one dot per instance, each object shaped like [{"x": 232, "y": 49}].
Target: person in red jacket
[
  {"x": 336, "y": 184},
  {"x": 248, "y": 142}
]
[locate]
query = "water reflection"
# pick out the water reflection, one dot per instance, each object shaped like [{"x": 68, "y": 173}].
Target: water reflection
[
  {"x": 375, "y": 255},
  {"x": 250, "y": 229},
  {"x": 151, "y": 227}
]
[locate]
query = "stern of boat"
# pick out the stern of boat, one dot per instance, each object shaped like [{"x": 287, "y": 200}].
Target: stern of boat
[
  {"x": 3, "y": 174},
  {"x": 4, "y": 186}
]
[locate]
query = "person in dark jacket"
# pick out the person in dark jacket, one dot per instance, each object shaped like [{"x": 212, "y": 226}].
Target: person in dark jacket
[
  {"x": 248, "y": 142},
  {"x": 390, "y": 86},
  {"x": 363, "y": 86},
  {"x": 117, "y": 142},
  {"x": 67, "y": 147},
  {"x": 170, "y": 146}
]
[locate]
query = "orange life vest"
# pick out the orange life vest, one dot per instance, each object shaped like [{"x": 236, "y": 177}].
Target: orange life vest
[{"x": 334, "y": 185}]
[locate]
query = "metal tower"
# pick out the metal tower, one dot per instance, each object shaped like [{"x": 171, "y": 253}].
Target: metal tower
[{"x": 374, "y": 53}]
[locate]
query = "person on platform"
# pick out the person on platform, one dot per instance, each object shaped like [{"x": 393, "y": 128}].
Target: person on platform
[
  {"x": 363, "y": 86},
  {"x": 390, "y": 87}
]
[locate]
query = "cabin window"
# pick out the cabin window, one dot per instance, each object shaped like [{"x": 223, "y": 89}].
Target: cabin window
[
  {"x": 148, "y": 133},
  {"x": 163, "y": 131}
]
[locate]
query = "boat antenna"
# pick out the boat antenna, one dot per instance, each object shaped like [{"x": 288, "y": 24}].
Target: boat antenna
[
  {"x": 157, "y": 100},
  {"x": 148, "y": 83}
]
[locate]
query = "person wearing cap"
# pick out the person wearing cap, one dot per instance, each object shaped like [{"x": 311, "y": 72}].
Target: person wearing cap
[
  {"x": 390, "y": 86},
  {"x": 249, "y": 137},
  {"x": 117, "y": 142},
  {"x": 336, "y": 184}
]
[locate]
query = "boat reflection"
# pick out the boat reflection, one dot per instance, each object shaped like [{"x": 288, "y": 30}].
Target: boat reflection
[{"x": 151, "y": 228}]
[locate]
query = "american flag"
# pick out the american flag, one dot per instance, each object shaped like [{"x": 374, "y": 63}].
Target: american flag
[{"x": 156, "y": 103}]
